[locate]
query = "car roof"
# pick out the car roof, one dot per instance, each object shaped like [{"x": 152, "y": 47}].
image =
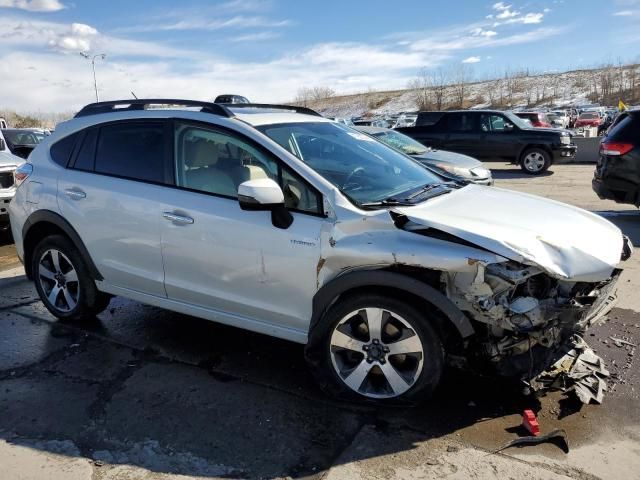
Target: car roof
[{"x": 266, "y": 116}]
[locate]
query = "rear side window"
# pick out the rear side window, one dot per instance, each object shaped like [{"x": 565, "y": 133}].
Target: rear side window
[
  {"x": 460, "y": 122},
  {"x": 626, "y": 129},
  {"x": 61, "y": 150},
  {"x": 132, "y": 150}
]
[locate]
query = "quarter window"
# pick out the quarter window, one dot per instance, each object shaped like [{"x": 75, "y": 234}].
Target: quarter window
[
  {"x": 132, "y": 150},
  {"x": 61, "y": 150},
  {"x": 216, "y": 162}
]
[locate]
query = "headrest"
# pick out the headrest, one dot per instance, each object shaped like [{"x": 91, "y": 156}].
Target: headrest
[{"x": 203, "y": 154}]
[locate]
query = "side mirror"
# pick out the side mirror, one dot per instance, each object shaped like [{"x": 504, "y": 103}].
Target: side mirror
[
  {"x": 508, "y": 127},
  {"x": 3, "y": 145},
  {"x": 265, "y": 194}
]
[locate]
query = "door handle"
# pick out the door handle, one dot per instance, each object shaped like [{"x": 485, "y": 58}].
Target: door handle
[
  {"x": 75, "y": 194},
  {"x": 179, "y": 219}
]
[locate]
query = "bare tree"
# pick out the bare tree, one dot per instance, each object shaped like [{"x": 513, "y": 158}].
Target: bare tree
[
  {"x": 461, "y": 77},
  {"x": 309, "y": 94}
]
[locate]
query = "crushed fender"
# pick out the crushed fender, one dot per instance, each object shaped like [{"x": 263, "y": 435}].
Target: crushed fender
[{"x": 580, "y": 371}]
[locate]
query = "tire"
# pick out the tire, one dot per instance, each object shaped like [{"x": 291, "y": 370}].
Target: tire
[
  {"x": 346, "y": 324},
  {"x": 63, "y": 281},
  {"x": 535, "y": 161}
]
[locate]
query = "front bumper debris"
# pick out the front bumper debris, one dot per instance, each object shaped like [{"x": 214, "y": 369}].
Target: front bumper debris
[{"x": 580, "y": 371}]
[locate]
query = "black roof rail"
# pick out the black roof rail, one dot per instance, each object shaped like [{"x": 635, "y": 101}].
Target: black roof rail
[
  {"x": 142, "y": 104},
  {"x": 304, "y": 110}
]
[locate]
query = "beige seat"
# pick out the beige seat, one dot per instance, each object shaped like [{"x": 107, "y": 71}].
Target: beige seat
[{"x": 203, "y": 174}]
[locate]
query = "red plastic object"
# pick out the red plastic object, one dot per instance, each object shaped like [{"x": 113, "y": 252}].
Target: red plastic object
[{"x": 530, "y": 422}]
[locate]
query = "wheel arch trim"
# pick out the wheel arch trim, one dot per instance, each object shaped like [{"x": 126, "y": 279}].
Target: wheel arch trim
[
  {"x": 47, "y": 216},
  {"x": 328, "y": 293}
]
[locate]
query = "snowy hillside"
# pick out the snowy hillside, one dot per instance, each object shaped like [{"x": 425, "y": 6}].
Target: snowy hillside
[{"x": 605, "y": 86}]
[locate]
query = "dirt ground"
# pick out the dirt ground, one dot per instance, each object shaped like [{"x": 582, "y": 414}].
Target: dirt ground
[{"x": 143, "y": 393}]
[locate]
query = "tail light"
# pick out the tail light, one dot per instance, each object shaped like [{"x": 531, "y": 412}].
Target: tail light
[
  {"x": 615, "y": 148},
  {"x": 22, "y": 173}
]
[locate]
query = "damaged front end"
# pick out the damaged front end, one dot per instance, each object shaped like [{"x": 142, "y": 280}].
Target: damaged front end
[{"x": 531, "y": 321}]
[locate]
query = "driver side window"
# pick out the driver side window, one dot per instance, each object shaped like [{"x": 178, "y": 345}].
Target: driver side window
[
  {"x": 492, "y": 123},
  {"x": 217, "y": 162}
]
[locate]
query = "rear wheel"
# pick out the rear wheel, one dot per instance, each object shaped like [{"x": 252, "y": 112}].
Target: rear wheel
[
  {"x": 534, "y": 161},
  {"x": 63, "y": 281},
  {"x": 376, "y": 348}
]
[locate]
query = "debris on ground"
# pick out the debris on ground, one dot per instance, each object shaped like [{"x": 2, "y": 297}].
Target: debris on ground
[
  {"x": 530, "y": 422},
  {"x": 558, "y": 437},
  {"x": 619, "y": 342},
  {"x": 580, "y": 371}
]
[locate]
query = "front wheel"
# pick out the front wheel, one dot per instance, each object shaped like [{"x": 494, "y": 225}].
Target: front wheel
[
  {"x": 535, "y": 161},
  {"x": 63, "y": 280},
  {"x": 376, "y": 348}
]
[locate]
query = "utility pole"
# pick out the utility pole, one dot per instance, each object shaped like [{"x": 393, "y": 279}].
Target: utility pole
[{"x": 93, "y": 66}]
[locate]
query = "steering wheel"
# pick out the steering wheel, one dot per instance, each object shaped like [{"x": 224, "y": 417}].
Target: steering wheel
[{"x": 354, "y": 172}]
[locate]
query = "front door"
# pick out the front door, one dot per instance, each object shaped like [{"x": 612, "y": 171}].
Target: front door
[{"x": 232, "y": 261}]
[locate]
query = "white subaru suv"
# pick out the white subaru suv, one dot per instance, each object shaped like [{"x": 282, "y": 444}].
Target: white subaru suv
[{"x": 276, "y": 220}]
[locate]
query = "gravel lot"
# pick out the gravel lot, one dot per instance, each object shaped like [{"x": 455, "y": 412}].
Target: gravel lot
[{"x": 143, "y": 393}]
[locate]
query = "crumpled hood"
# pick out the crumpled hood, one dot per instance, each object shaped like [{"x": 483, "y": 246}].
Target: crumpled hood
[{"x": 566, "y": 241}]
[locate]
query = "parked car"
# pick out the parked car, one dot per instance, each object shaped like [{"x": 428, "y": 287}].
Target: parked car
[
  {"x": 449, "y": 165},
  {"x": 537, "y": 119},
  {"x": 228, "y": 98},
  {"x": 617, "y": 174},
  {"x": 589, "y": 119},
  {"x": 406, "y": 120},
  {"x": 283, "y": 222},
  {"x": 561, "y": 118},
  {"x": 21, "y": 141},
  {"x": 8, "y": 165},
  {"x": 492, "y": 134}
]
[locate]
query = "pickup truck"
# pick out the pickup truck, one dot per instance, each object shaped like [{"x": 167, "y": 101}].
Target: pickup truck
[{"x": 491, "y": 134}]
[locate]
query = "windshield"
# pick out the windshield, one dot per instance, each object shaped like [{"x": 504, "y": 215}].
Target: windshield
[
  {"x": 589, "y": 116},
  {"x": 363, "y": 169},
  {"x": 22, "y": 137},
  {"x": 517, "y": 121},
  {"x": 401, "y": 142}
]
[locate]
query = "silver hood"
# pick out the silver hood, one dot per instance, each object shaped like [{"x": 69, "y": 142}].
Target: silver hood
[{"x": 563, "y": 240}]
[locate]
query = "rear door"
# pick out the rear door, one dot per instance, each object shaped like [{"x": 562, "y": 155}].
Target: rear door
[
  {"x": 112, "y": 193},
  {"x": 462, "y": 133}
]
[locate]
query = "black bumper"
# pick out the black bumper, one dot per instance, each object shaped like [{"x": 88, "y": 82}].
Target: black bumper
[
  {"x": 618, "y": 190},
  {"x": 564, "y": 152}
]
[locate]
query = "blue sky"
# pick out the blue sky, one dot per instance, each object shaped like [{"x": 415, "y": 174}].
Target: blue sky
[{"x": 269, "y": 49}]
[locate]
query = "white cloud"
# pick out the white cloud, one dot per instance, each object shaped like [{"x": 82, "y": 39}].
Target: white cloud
[
  {"x": 480, "y": 32},
  {"x": 255, "y": 37},
  {"x": 624, "y": 13},
  {"x": 201, "y": 23},
  {"x": 33, "y": 5},
  {"x": 472, "y": 60}
]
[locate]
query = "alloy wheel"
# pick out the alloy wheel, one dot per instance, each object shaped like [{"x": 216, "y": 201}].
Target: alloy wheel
[
  {"x": 59, "y": 280},
  {"x": 376, "y": 353}
]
